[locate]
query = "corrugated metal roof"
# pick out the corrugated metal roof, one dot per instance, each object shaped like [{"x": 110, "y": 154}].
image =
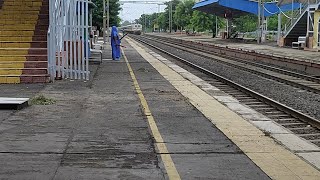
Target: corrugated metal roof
[{"x": 239, "y": 7}]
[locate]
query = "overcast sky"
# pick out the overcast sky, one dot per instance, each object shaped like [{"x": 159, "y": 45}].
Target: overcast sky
[{"x": 130, "y": 12}]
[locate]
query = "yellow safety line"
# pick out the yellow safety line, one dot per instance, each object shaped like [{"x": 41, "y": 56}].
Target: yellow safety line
[
  {"x": 161, "y": 146},
  {"x": 273, "y": 159}
]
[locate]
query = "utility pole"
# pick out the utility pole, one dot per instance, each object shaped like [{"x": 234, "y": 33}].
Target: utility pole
[
  {"x": 158, "y": 17},
  {"x": 291, "y": 12},
  {"x": 216, "y": 26},
  {"x": 170, "y": 17},
  {"x": 108, "y": 19},
  {"x": 259, "y": 23},
  {"x": 104, "y": 22},
  {"x": 145, "y": 23}
]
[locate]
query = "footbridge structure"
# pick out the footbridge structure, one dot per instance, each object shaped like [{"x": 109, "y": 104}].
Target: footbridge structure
[{"x": 301, "y": 16}]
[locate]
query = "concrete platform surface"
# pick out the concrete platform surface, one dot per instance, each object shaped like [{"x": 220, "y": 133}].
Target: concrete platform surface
[{"x": 136, "y": 118}]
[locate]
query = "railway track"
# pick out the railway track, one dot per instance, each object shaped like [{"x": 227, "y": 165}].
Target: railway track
[
  {"x": 295, "y": 79},
  {"x": 300, "y": 124}
]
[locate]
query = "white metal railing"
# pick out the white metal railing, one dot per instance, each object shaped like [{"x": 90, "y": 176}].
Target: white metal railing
[{"x": 68, "y": 48}]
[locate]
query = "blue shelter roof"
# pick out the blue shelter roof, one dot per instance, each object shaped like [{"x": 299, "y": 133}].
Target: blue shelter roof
[{"x": 235, "y": 8}]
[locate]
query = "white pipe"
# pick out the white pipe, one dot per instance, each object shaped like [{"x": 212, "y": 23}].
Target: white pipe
[{"x": 87, "y": 39}]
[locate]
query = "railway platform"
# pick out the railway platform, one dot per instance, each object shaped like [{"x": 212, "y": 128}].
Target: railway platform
[
  {"x": 292, "y": 58},
  {"x": 144, "y": 117}
]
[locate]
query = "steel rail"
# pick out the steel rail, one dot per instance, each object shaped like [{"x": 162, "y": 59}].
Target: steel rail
[
  {"x": 303, "y": 117},
  {"x": 270, "y": 68},
  {"x": 295, "y": 74},
  {"x": 291, "y": 73}
]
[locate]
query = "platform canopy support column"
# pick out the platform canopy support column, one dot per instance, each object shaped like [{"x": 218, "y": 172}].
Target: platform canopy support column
[
  {"x": 216, "y": 26},
  {"x": 316, "y": 30},
  {"x": 279, "y": 29},
  {"x": 261, "y": 29}
]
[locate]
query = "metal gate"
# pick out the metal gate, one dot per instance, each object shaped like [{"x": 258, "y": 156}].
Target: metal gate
[{"x": 68, "y": 48}]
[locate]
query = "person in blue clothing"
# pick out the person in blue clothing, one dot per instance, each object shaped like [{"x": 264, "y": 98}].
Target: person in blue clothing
[{"x": 115, "y": 44}]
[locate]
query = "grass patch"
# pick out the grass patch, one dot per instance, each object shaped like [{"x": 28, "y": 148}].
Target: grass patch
[
  {"x": 42, "y": 100},
  {"x": 268, "y": 134}
]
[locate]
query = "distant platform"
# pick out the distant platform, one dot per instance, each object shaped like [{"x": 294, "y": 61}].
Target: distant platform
[{"x": 13, "y": 103}]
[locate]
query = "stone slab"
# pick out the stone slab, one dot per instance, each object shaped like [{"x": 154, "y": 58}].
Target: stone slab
[{"x": 13, "y": 103}]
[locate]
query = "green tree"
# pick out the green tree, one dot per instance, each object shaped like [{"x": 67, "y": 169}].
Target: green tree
[
  {"x": 201, "y": 22},
  {"x": 97, "y": 13},
  {"x": 273, "y": 22},
  {"x": 183, "y": 13},
  {"x": 246, "y": 23},
  {"x": 167, "y": 10},
  {"x": 162, "y": 18},
  {"x": 125, "y": 23},
  {"x": 148, "y": 20},
  {"x": 162, "y": 21}
]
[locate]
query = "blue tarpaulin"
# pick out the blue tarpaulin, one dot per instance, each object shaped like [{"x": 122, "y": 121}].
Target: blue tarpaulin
[{"x": 238, "y": 7}]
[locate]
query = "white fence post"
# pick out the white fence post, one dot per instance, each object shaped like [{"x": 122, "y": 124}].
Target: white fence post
[{"x": 68, "y": 49}]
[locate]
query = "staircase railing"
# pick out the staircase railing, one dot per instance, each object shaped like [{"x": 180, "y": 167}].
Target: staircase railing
[
  {"x": 296, "y": 15},
  {"x": 68, "y": 39}
]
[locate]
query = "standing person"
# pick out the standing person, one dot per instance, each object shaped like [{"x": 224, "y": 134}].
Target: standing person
[{"x": 115, "y": 44}]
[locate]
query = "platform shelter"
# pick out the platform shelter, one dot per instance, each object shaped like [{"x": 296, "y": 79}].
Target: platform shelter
[{"x": 234, "y": 8}]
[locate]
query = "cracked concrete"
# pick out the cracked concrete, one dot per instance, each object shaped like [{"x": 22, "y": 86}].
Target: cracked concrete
[{"x": 96, "y": 130}]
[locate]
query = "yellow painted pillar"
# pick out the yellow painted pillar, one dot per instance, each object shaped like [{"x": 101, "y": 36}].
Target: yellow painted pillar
[{"x": 316, "y": 29}]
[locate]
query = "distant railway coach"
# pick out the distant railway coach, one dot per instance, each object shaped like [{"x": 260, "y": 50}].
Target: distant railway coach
[{"x": 132, "y": 29}]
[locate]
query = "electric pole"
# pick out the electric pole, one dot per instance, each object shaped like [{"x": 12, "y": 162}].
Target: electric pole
[
  {"x": 216, "y": 25},
  {"x": 259, "y": 23},
  {"x": 264, "y": 25},
  {"x": 108, "y": 19},
  {"x": 170, "y": 17},
  {"x": 104, "y": 23},
  {"x": 145, "y": 23},
  {"x": 158, "y": 18}
]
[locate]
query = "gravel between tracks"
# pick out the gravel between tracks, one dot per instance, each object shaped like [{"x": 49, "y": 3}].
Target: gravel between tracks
[{"x": 304, "y": 101}]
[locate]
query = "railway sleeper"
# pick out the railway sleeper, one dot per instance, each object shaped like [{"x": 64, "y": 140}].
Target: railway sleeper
[
  {"x": 309, "y": 130},
  {"x": 274, "y": 112},
  {"x": 296, "y": 125},
  {"x": 255, "y": 103},
  {"x": 265, "y": 108},
  {"x": 257, "y": 70},
  {"x": 259, "y": 105},
  {"x": 310, "y": 136},
  {"x": 293, "y": 123},
  {"x": 251, "y": 101},
  {"x": 289, "y": 120}
]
